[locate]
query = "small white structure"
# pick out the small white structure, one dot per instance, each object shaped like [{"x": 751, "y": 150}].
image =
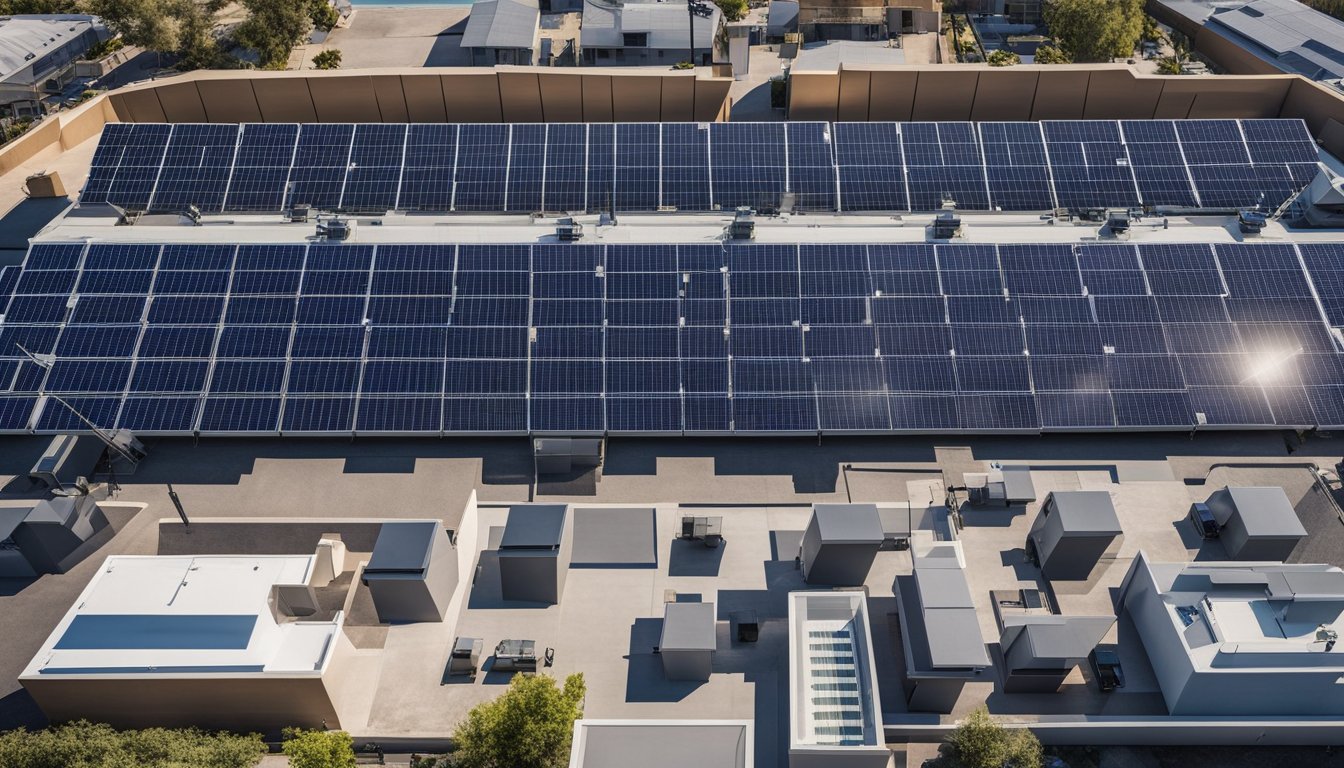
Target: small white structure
[
  {"x": 835, "y": 719},
  {"x": 662, "y": 744},
  {"x": 1255, "y": 640},
  {"x": 503, "y": 32},
  {"x": 212, "y": 641}
]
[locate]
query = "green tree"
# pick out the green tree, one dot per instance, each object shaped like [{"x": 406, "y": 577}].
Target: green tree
[
  {"x": 150, "y": 24},
  {"x": 318, "y": 749},
  {"x": 272, "y": 29},
  {"x": 1049, "y": 54},
  {"x": 324, "y": 15},
  {"x": 979, "y": 742},
  {"x": 328, "y": 59},
  {"x": 1002, "y": 58},
  {"x": 529, "y": 725},
  {"x": 733, "y": 10},
  {"x": 13, "y": 7},
  {"x": 1172, "y": 65},
  {"x": 89, "y": 745},
  {"x": 1095, "y": 30}
]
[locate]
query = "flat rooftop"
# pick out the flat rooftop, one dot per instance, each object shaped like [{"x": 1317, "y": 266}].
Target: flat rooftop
[{"x": 175, "y": 615}]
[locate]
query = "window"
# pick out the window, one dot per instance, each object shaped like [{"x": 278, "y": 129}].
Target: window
[{"x": 636, "y": 39}]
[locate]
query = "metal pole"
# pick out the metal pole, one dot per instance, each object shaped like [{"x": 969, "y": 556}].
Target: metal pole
[
  {"x": 690, "y": 15},
  {"x": 182, "y": 513}
]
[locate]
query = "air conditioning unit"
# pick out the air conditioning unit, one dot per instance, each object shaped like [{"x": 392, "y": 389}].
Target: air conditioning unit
[{"x": 567, "y": 230}]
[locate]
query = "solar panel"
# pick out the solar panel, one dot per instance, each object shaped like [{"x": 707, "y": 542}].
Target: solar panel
[{"x": 688, "y": 166}]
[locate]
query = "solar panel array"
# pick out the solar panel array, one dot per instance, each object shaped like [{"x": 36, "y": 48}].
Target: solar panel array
[
  {"x": 1210, "y": 164},
  {"x": 432, "y": 339}
]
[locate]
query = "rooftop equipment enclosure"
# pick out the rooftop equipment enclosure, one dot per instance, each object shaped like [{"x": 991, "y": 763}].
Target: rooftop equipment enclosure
[
  {"x": 1072, "y": 531},
  {"x": 412, "y": 572},
  {"x": 1257, "y": 523},
  {"x": 688, "y": 641},
  {"x": 840, "y": 544},
  {"x": 535, "y": 552}
]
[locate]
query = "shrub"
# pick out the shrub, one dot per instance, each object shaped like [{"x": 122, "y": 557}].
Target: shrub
[
  {"x": 1002, "y": 58},
  {"x": 1049, "y": 54},
  {"x": 318, "y": 749},
  {"x": 92, "y": 745},
  {"x": 328, "y": 59}
]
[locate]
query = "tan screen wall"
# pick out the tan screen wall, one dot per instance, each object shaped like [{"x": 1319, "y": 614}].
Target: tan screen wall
[{"x": 466, "y": 95}]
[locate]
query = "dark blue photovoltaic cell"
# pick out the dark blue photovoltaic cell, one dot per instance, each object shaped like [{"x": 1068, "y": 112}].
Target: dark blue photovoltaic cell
[
  {"x": 158, "y": 414},
  {"x": 240, "y": 414},
  {"x": 318, "y": 414},
  {"x": 567, "y": 414},
  {"x": 57, "y": 417},
  {"x": 495, "y": 414},
  {"x": 566, "y": 171},
  {"x": 399, "y": 414},
  {"x": 747, "y": 164},
  {"x": 685, "y": 167},
  {"x": 527, "y": 167}
]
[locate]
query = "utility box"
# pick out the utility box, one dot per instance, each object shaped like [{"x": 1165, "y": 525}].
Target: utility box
[
  {"x": 688, "y": 641},
  {"x": 412, "y": 572},
  {"x": 45, "y": 184},
  {"x": 535, "y": 552},
  {"x": 1071, "y": 533},
  {"x": 1256, "y": 523},
  {"x": 840, "y": 544}
]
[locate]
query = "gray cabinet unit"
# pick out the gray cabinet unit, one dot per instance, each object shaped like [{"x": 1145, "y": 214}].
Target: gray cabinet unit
[
  {"x": 1071, "y": 533},
  {"x": 412, "y": 572},
  {"x": 535, "y": 551},
  {"x": 688, "y": 641},
  {"x": 1256, "y": 523},
  {"x": 840, "y": 544}
]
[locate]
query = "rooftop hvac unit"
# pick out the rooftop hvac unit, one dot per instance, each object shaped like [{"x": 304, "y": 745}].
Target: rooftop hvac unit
[
  {"x": 946, "y": 226},
  {"x": 567, "y": 230},
  {"x": 298, "y": 214},
  {"x": 1118, "y": 223},
  {"x": 743, "y": 226},
  {"x": 1251, "y": 222},
  {"x": 337, "y": 230}
]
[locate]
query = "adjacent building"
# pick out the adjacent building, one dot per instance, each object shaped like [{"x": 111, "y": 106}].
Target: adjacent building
[
  {"x": 228, "y": 641},
  {"x": 503, "y": 32},
  {"x": 38, "y": 54},
  {"x": 1241, "y": 639},
  {"x": 648, "y": 33},
  {"x": 1261, "y": 36},
  {"x": 867, "y": 19}
]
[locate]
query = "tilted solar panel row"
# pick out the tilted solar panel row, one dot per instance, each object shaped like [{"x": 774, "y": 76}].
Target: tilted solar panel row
[
  {"x": 1207, "y": 164},
  {"x": 223, "y": 339}
]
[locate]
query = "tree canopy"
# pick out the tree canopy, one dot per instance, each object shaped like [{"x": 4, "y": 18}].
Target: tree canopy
[
  {"x": 733, "y": 10},
  {"x": 979, "y": 742},
  {"x": 1095, "y": 30},
  {"x": 88, "y": 745},
  {"x": 531, "y": 724}
]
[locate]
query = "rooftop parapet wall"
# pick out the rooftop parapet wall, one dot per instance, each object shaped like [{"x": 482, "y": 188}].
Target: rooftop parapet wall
[
  {"x": 457, "y": 95},
  {"x": 1057, "y": 92}
]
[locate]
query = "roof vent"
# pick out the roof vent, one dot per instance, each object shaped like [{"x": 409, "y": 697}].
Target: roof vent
[
  {"x": 1251, "y": 222},
  {"x": 743, "y": 226},
  {"x": 946, "y": 226},
  {"x": 567, "y": 230}
]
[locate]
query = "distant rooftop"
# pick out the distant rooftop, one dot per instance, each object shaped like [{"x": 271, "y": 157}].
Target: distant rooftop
[
  {"x": 605, "y": 22},
  {"x": 502, "y": 24},
  {"x": 662, "y": 743},
  {"x": 1288, "y": 33},
  {"x": 828, "y": 55},
  {"x": 25, "y": 39}
]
